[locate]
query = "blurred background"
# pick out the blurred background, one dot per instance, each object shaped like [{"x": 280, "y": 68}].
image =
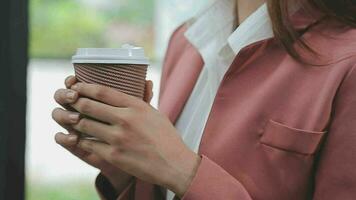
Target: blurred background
[{"x": 57, "y": 29}]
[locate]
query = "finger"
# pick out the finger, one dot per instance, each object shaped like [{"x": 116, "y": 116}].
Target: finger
[
  {"x": 148, "y": 91},
  {"x": 70, "y": 143},
  {"x": 98, "y": 110},
  {"x": 70, "y": 80},
  {"x": 98, "y": 148},
  {"x": 64, "y": 117},
  {"x": 66, "y": 140},
  {"x": 96, "y": 129},
  {"x": 65, "y": 96},
  {"x": 105, "y": 94}
]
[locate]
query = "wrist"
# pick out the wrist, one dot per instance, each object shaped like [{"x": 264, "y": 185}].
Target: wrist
[{"x": 182, "y": 176}]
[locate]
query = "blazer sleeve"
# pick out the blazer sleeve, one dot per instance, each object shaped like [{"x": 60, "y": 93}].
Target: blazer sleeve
[
  {"x": 336, "y": 171},
  {"x": 213, "y": 182},
  {"x": 107, "y": 192},
  {"x": 335, "y": 176}
]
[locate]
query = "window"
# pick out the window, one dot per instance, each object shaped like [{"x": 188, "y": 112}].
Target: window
[{"x": 57, "y": 29}]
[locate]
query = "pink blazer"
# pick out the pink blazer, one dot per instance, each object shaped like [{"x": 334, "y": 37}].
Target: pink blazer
[{"x": 278, "y": 129}]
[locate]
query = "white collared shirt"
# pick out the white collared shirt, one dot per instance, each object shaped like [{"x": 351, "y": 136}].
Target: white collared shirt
[{"x": 212, "y": 34}]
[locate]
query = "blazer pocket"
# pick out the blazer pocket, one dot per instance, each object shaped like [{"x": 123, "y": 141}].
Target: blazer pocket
[{"x": 291, "y": 139}]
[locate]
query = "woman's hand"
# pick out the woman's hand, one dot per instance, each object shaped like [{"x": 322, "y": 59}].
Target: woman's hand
[
  {"x": 68, "y": 117},
  {"x": 137, "y": 138}
]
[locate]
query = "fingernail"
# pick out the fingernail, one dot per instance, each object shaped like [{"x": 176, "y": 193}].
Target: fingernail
[
  {"x": 68, "y": 79},
  {"x": 74, "y": 117},
  {"x": 70, "y": 95}
]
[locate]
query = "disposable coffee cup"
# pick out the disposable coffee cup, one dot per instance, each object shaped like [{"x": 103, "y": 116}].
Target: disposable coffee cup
[{"x": 123, "y": 69}]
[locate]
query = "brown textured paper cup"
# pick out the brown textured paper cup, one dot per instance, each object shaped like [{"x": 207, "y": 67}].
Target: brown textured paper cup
[
  {"x": 123, "y": 69},
  {"x": 129, "y": 79}
]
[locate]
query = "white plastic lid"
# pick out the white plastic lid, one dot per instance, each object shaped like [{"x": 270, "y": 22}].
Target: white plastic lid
[{"x": 127, "y": 54}]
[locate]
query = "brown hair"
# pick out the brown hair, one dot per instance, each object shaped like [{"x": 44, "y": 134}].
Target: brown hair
[{"x": 344, "y": 11}]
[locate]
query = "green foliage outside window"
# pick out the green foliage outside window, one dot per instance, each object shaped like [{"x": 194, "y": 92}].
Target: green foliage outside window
[{"x": 59, "y": 27}]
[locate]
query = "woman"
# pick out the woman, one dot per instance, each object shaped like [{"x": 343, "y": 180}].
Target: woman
[{"x": 263, "y": 110}]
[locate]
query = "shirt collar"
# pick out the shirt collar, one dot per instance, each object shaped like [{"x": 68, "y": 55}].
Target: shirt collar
[
  {"x": 214, "y": 23},
  {"x": 217, "y": 22},
  {"x": 257, "y": 27}
]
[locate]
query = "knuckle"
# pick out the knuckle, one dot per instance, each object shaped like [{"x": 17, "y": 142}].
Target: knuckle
[
  {"x": 120, "y": 138},
  {"x": 116, "y": 140},
  {"x": 83, "y": 125},
  {"x": 117, "y": 115},
  {"x": 130, "y": 117},
  {"x": 141, "y": 107},
  {"x": 140, "y": 112},
  {"x": 124, "y": 101},
  {"x": 86, "y": 145},
  {"x": 102, "y": 93},
  {"x": 116, "y": 154},
  {"x": 124, "y": 124},
  {"x": 84, "y": 106}
]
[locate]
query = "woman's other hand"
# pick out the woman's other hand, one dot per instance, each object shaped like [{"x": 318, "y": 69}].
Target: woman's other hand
[{"x": 137, "y": 138}]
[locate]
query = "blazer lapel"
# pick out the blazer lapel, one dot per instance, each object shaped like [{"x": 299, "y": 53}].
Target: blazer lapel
[{"x": 182, "y": 78}]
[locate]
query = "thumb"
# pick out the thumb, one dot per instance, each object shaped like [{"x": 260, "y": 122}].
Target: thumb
[{"x": 148, "y": 91}]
